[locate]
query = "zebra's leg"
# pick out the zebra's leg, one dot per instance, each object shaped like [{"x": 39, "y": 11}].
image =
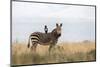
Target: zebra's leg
[
  {"x": 52, "y": 44},
  {"x": 50, "y": 48},
  {"x": 33, "y": 47}
]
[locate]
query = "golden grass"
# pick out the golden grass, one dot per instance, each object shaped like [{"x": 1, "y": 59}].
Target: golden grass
[{"x": 63, "y": 52}]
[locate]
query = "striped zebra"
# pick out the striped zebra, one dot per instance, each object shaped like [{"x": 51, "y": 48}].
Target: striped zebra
[{"x": 49, "y": 38}]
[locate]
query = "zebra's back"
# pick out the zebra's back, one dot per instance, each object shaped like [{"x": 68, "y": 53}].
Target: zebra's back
[{"x": 40, "y": 37}]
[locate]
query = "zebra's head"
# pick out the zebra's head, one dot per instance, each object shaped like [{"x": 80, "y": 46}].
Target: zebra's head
[{"x": 57, "y": 30}]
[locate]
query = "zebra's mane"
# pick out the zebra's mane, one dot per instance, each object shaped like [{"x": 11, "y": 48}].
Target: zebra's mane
[{"x": 53, "y": 31}]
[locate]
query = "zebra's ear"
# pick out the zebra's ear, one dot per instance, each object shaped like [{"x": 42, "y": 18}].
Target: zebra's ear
[
  {"x": 61, "y": 25},
  {"x": 57, "y": 24}
]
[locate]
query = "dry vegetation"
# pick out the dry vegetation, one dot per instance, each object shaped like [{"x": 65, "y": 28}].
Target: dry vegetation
[{"x": 63, "y": 52}]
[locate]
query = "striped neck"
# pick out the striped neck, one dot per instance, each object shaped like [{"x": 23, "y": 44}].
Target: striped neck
[{"x": 54, "y": 33}]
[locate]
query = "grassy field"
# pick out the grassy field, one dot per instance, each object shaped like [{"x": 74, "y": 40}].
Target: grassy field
[{"x": 63, "y": 52}]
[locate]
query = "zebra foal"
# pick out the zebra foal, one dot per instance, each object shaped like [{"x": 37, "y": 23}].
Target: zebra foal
[{"x": 49, "y": 38}]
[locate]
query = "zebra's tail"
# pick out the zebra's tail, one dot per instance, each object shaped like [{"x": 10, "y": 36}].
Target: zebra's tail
[{"x": 28, "y": 43}]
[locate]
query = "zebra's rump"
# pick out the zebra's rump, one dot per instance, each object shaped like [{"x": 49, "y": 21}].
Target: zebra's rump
[{"x": 41, "y": 38}]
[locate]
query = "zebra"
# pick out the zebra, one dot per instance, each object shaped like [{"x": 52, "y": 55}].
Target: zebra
[{"x": 49, "y": 38}]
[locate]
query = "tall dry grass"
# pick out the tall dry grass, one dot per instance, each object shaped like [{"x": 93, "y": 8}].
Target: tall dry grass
[{"x": 62, "y": 52}]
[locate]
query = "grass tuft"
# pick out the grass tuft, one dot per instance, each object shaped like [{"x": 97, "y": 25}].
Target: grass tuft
[{"x": 65, "y": 52}]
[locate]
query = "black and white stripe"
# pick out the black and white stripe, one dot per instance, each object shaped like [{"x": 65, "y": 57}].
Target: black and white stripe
[{"x": 50, "y": 38}]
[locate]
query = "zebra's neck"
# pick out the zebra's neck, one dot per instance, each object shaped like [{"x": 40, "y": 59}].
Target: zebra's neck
[{"x": 54, "y": 34}]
